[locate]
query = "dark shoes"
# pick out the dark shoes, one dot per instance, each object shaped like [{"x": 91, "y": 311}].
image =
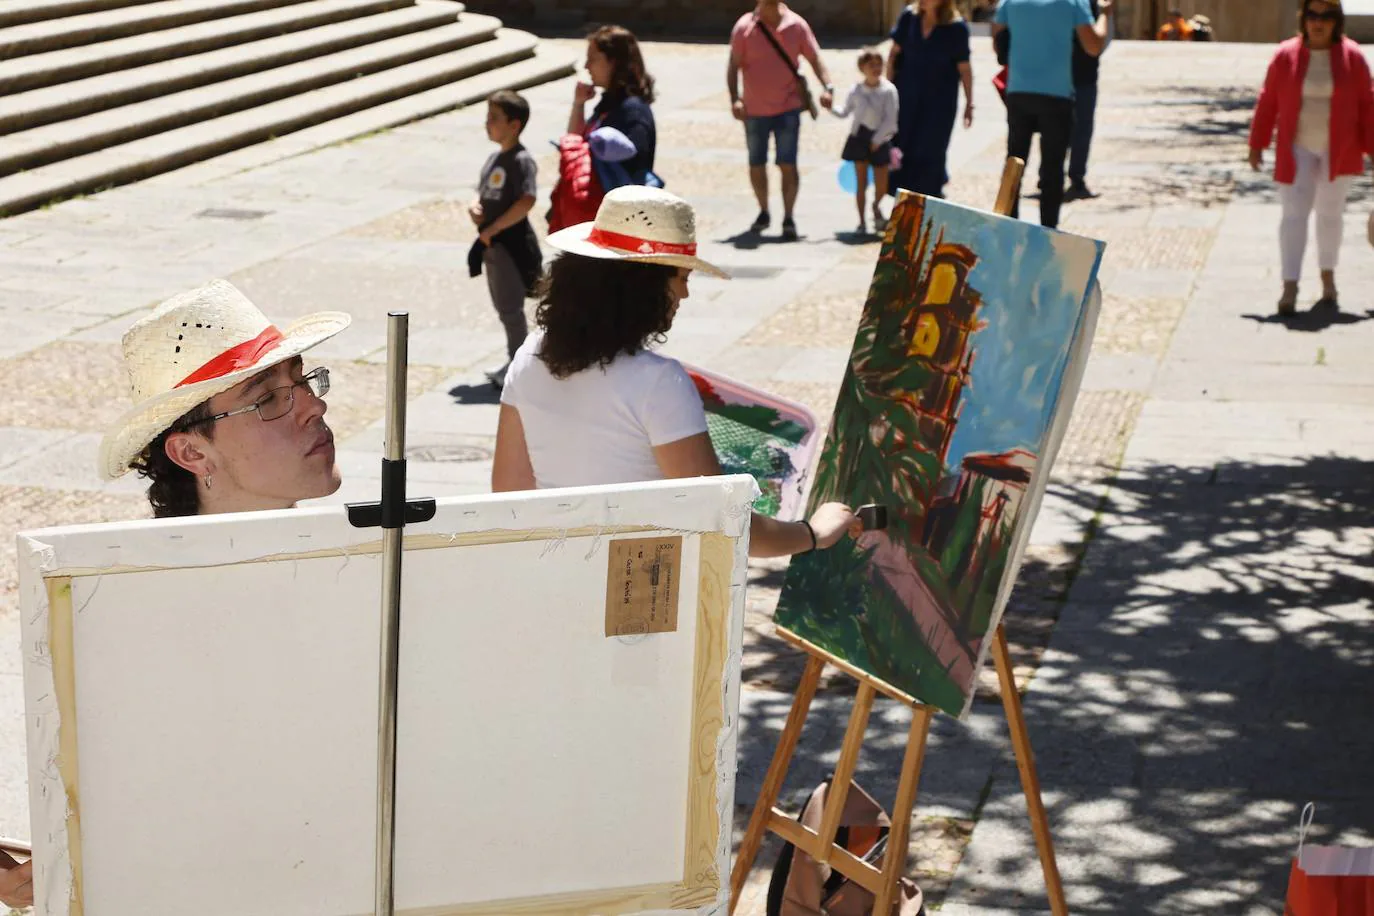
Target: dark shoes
[
  {"x": 764, "y": 220},
  {"x": 1078, "y": 191}
]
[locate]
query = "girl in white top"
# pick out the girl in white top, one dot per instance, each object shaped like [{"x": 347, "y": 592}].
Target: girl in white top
[
  {"x": 873, "y": 105},
  {"x": 586, "y": 402}
]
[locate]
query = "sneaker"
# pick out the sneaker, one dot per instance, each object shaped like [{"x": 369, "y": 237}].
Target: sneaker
[
  {"x": 789, "y": 230},
  {"x": 863, "y": 228},
  {"x": 761, "y": 222},
  {"x": 1288, "y": 306},
  {"x": 879, "y": 221}
]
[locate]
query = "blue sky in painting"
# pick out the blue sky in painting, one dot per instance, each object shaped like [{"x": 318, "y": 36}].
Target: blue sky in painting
[{"x": 1033, "y": 282}]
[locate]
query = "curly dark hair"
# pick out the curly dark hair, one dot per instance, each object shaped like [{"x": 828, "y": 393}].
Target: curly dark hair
[
  {"x": 628, "y": 76},
  {"x": 593, "y": 310},
  {"x": 172, "y": 489}
]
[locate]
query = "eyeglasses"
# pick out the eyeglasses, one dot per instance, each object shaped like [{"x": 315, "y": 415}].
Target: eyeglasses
[
  {"x": 277, "y": 403},
  {"x": 1324, "y": 16}
]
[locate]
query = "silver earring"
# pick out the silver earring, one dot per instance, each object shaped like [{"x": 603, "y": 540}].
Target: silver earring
[{"x": 209, "y": 479}]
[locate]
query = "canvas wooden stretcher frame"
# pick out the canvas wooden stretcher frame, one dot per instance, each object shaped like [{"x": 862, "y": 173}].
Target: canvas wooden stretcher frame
[{"x": 721, "y": 573}]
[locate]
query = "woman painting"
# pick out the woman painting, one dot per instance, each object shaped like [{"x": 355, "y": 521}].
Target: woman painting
[
  {"x": 616, "y": 67},
  {"x": 1317, "y": 95},
  {"x": 928, "y": 62},
  {"x": 586, "y": 402}
]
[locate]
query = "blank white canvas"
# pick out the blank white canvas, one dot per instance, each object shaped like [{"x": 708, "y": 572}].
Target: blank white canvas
[
  {"x": 227, "y": 728},
  {"x": 569, "y": 748},
  {"x": 227, "y": 708}
]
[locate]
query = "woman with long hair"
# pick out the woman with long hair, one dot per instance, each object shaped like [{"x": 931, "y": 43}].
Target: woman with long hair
[
  {"x": 928, "y": 62},
  {"x": 616, "y": 68},
  {"x": 1317, "y": 97},
  {"x": 588, "y": 402}
]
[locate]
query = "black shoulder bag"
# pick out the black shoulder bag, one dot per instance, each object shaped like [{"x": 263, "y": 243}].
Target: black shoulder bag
[{"x": 803, "y": 87}]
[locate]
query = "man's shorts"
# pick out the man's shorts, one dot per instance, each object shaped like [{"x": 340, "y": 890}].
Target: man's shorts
[{"x": 785, "y": 127}]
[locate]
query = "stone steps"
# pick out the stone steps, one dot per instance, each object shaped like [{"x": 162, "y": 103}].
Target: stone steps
[
  {"x": 65, "y": 139},
  {"x": 36, "y": 107},
  {"x": 206, "y": 77},
  {"x": 60, "y": 66},
  {"x": 19, "y": 12},
  {"x": 541, "y": 68},
  {"x": 123, "y": 21},
  {"x": 181, "y": 146}
]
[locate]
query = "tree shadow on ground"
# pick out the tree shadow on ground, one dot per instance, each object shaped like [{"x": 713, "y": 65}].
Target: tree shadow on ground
[
  {"x": 961, "y": 757},
  {"x": 1209, "y": 126},
  {"x": 1211, "y": 674}
]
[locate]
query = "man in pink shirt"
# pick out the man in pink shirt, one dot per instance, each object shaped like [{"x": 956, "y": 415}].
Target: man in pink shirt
[{"x": 771, "y": 104}]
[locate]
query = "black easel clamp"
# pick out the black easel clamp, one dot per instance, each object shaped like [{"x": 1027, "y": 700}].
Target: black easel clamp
[{"x": 394, "y": 510}]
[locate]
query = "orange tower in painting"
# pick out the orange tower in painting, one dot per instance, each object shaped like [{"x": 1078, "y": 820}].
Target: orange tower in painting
[{"x": 937, "y": 332}]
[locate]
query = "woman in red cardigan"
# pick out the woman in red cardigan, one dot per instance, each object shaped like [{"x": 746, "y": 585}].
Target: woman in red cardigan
[{"x": 1318, "y": 95}]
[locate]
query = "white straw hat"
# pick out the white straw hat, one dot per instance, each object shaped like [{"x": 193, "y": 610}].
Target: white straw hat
[
  {"x": 637, "y": 223},
  {"x": 192, "y": 347}
]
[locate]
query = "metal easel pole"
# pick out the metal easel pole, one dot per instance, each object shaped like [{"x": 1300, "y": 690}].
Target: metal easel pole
[{"x": 393, "y": 522}]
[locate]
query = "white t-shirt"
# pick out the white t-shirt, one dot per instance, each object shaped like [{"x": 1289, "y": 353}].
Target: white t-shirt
[
  {"x": 1314, "y": 119},
  {"x": 600, "y": 426},
  {"x": 874, "y": 107}
]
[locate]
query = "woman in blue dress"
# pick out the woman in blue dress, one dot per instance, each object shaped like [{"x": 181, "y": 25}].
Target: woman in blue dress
[{"x": 928, "y": 62}]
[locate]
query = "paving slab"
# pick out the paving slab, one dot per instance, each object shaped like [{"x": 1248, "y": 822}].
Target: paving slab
[{"x": 962, "y": 755}]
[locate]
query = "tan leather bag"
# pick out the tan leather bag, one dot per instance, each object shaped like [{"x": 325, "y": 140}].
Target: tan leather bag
[{"x": 801, "y": 886}]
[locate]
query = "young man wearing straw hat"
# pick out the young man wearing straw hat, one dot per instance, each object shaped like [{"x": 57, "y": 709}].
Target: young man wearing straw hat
[
  {"x": 225, "y": 417},
  {"x": 224, "y": 420}
]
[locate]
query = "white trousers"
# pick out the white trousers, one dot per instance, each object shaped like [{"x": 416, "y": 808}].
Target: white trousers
[{"x": 1311, "y": 188}]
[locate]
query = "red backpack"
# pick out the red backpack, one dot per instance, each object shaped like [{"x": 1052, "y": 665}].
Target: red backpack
[{"x": 578, "y": 192}]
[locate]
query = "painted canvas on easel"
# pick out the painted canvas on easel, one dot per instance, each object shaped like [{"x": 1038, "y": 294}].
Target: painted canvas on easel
[{"x": 961, "y": 376}]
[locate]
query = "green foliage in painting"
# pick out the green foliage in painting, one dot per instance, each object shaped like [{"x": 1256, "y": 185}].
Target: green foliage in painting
[{"x": 860, "y": 619}]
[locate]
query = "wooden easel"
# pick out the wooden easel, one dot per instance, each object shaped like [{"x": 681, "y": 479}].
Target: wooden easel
[{"x": 882, "y": 883}]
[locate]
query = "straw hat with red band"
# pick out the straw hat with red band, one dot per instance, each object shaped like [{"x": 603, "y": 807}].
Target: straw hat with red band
[
  {"x": 636, "y": 223},
  {"x": 192, "y": 347}
]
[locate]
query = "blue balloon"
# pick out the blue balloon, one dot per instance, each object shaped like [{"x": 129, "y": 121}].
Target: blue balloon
[{"x": 849, "y": 177}]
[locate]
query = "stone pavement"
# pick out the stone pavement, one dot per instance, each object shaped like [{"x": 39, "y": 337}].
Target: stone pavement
[{"x": 1198, "y": 582}]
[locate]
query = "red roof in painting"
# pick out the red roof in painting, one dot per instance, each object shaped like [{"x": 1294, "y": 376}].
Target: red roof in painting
[{"x": 1014, "y": 466}]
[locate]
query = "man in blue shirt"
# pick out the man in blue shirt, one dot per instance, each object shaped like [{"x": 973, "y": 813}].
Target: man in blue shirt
[{"x": 1040, "y": 91}]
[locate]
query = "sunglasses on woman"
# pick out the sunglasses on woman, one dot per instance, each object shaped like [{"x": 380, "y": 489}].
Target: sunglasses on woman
[{"x": 1323, "y": 16}]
